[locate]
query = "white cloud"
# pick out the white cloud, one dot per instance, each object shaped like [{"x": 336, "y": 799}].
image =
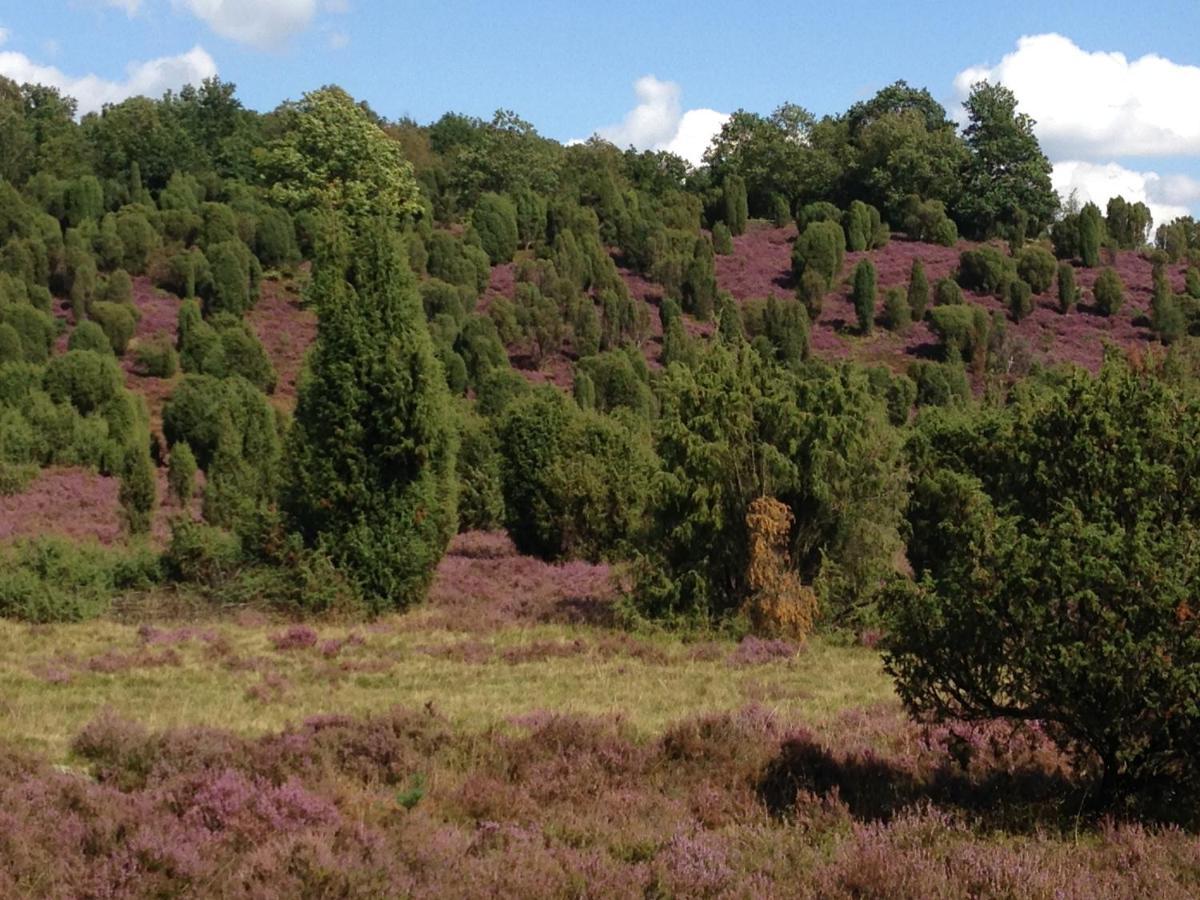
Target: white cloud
[
  {"x": 1168, "y": 196},
  {"x": 659, "y": 122},
  {"x": 4, "y": 34},
  {"x": 337, "y": 7},
  {"x": 150, "y": 79},
  {"x": 339, "y": 40},
  {"x": 1098, "y": 105},
  {"x": 262, "y": 23}
]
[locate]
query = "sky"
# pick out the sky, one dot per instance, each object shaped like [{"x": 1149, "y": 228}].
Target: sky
[{"x": 1115, "y": 90}]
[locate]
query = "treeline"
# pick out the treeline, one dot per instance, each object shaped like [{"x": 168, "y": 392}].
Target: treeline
[{"x": 742, "y": 481}]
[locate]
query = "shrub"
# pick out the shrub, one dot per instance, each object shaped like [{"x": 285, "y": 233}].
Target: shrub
[
  {"x": 896, "y": 310},
  {"x": 946, "y": 292},
  {"x": 34, "y": 328},
  {"x": 87, "y": 335},
  {"x": 1068, "y": 293},
  {"x": 480, "y": 492},
  {"x": 117, "y": 287},
  {"x": 201, "y": 554},
  {"x": 962, "y": 329},
  {"x": 117, "y": 320},
  {"x": 821, "y": 211},
  {"x": 722, "y": 239},
  {"x": 926, "y": 221},
  {"x": 138, "y": 491},
  {"x": 242, "y": 353},
  {"x": 864, "y": 231},
  {"x": 1036, "y": 266},
  {"x": 1031, "y": 600},
  {"x": 83, "y": 200},
  {"x": 918, "y": 291},
  {"x": 181, "y": 474},
  {"x": 864, "y": 295},
  {"x": 1109, "y": 292},
  {"x": 138, "y": 237},
  {"x": 155, "y": 357},
  {"x": 1020, "y": 299},
  {"x": 85, "y": 379},
  {"x": 1091, "y": 235},
  {"x": 735, "y": 208},
  {"x": 939, "y": 384},
  {"x": 619, "y": 380},
  {"x": 984, "y": 270},
  {"x": 576, "y": 483},
  {"x": 810, "y": 291},
  {"x": 275, "y": 239},
  {"x": 821, "y": 247},
  {"x": 10, "y": 344},
  {"x": 1192, "y": 282},
  {"x": 186, "y": 274},
  {"x": 495, "y": 221},
  {"x": 15, "y": 478},
  {"x": 373, "y": 448},
  {"x": 231, "y": 288}
]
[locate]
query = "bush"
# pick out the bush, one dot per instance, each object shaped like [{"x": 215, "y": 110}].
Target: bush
[
  {"x": 620, "y": 380},
  {"x": 242, "y": 353},
  {"x": 821, "y": 211},
  {"x": 984, "y": 270},
  {"x": 275, "y": 240},
  {"x": 201, "y": 554},
  {"x": 811, "y": 293},
  {"x": 896, "y": 311},
  {"x": 1192, "y": 282},
  {"x": 735, "y": 208},
  {"x": 117, "y": 320},
  {"x": 722, "y": 239},
  {"x": 442, "y": 298},
  {"x": 1020, "y": 299},
  {"x": 821, "y": 247},
  {"x": 186, "y": 274},
  {"x": 962, "y": 329},
  {"x": 10, "y": 344},
  {"x": 138, "y": 238},
  {"x": 495, "y": 221},
  {"x": 926, "y": 221},
  {"x": 87, "y": 335},
  {"x": 864, "y": 229},
  {"x": 576, "y": 483},
  {"x": 85, "y": 379},
  {"x": 1031, "y": 597},
  {"x": 181, "y": 474},
  {"x": 15, "y": 478},
  {"x": 1068, "y": 293},
  {"x": 138, "y": 491},
  {"x": 939, "y": 384},
  {"x": 1036, "y": 266},
  {"x": 864, "y": 295},
  {"x": 231, "y": 290},
  {"x": 155, "y": 357},
  {"x": 1091, "y": 235},
  {"x": 1109, "y": 292},
  {"x": 480, "y": 492},
  {"x": 946, "y": 292},
  {"x": 34, "y": 328}
]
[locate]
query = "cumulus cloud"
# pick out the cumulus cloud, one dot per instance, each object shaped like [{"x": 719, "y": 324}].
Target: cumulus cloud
[
  {"x": 1168, "y": 197},
  {"x": 265, "y": 24},
  {"x": 1091, "y": 105},
  {"x": 659, "y": 122},
  {"x": 150, "y": 79}
]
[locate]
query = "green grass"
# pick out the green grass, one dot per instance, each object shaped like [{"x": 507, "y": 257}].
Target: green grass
[{"x": 393, "y": 667}]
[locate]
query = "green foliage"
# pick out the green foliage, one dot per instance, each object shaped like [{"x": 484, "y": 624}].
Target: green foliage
[
  {"x": 619, "y": 379},
  {"x": 1127, "y": 224},
  {"x": 1020, "y": 299},
  {"x": 138, "y": 238},
  {"x": 864, "y": 295},
  {"x": 181, "y": 474},
  {"x": 897, "y": 312},
  {"x": 11, "y": 349},
  {"x": 864, "y": 229},
  {"x": 333, "y": 156},
  {"x": 1109, "y": 292},
  {"x": 1167, "y": 318},
  {"x": 87, "y": 380},
  {"x": 116, "y": 287},
  {"x": 87, "y": 335},
  {"x": 1091, "y": 235},
  {"x": 275, "y": 239},
  {"x": 926, "y": 221},
  {"x": 155, "y": 357},
  {"x": 576, "y": 483},
  {"x": 946, "y": 292},
  {"x": 83, "y": 200},
  {"x": 203, "y": 407},
  {"x": 495, "y": 220},
  {"x": 962, "y": 329},
  {"x": 1031, "y": 598},
  {"x": 734, "y": 428},
  {"x": 985, "y": 270},
  {"x": 372, "y": 451},
  {"x": 118, "y": 322},
  {"x": 722, "y": 239},
  {"x": 233, "y": 289},
  {"x": 138, "y": 492},
  {"x": 782, "y": 324},
  {"x": 940, "y": 384},
  {"x": 810, "y": 291},
  {"x": 918, "y": 291},
  {"x": 1192, "y": 282},
  {"x": 35, "y": 329},
  {"x": 56, "y": 580},
  {"x": 821, "y": 247},
  {"x": 480, "y": 490},
  {"x": 734, "y": 206},
  {"x": 1068, "y": 293},
  {"x": 1036, "y": 266}
]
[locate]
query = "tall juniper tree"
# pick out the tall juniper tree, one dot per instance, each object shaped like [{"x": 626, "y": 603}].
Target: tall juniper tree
[{"x": 372, "y": 453}]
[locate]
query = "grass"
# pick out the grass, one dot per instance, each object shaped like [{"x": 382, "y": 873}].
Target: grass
[{"x": 55, "y": 679}]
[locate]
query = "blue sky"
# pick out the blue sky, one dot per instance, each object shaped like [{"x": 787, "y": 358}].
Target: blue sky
[{"x": 570, "y": 68}]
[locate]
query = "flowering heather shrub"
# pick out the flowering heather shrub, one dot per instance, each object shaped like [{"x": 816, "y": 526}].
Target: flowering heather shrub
[
  {"x": 753, "y": 651},
  {"x": 296, "y": 637}
]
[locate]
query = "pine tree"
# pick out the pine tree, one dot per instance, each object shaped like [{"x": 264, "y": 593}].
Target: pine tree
[
  {"x": 918, "y": 291},
  {"x": 372, "y": 451},
  {"x": 864, "y": 295},
  {"x": 736, "y": 208}
]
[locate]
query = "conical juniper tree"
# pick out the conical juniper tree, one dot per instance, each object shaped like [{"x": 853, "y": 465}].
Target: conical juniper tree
[{"x": 372, "y": 452}]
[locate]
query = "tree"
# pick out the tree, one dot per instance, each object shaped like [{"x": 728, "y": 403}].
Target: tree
[
  {"x": 918, "y": 290},
  {"x": 333, "y": 156},
  {"x": 820, "y": 248},
  {"x": 1109, "y": 292},
  {"x": 1061, "y": 593},
  {"x": 1068, "y": 293},
  {"x": 1091, "y": 235},
  {"x": 495, "y": 221},
  {"x": 865, "y": 295},
  {"x": 1007, "y": 172},
  {"x": 734, "y": 204},
  {"x": 1128, "y": 224},
  {"x": 372, "y": 451}
]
